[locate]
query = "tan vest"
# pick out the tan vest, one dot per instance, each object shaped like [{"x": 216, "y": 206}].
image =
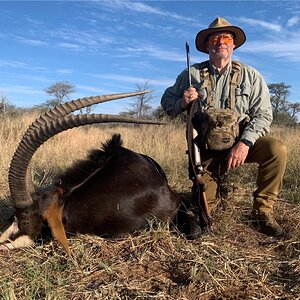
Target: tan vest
[{"x": 235, "y": 77}]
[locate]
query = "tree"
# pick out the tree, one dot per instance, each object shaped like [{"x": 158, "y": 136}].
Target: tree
[
  {"x": 141, "y": 107},
  {"x": 60, "y": 91},
  {"x": 5, "y": 106},
  {"x": 161, "y": 115},
  {"x": 284, "y": 112},
  {"x": 294, "y": 109}
]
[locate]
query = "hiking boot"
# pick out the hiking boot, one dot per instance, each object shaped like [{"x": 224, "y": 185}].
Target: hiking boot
[{"x": 267, "y": 223}]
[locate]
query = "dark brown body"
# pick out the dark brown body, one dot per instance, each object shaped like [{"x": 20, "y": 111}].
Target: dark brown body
[{"x": 122, "y": 192}]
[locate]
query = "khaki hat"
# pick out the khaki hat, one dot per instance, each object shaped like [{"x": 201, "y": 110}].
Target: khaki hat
[{"x": 219, "y": 24}]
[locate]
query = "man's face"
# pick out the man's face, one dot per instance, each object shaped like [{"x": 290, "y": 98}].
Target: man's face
[{"x": 220, "y": 45}]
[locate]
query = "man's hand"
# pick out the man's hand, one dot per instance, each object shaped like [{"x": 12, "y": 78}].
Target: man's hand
[
  {"x": 189, "y": 95},
  {"x": 237, "y": 155}
]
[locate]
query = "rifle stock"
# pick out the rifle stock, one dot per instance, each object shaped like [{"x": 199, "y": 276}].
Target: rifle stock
[
  {"x": 205, "y": 220},
  {"x": 199, "y": 196}
]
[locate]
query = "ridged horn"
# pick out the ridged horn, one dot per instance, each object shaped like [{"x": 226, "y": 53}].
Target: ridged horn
[
  {"x": 66, "y": 108},
  {"x": 17, "y": 178}
]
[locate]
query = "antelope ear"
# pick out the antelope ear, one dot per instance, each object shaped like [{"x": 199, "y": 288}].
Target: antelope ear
[{"x": 53, "y": 215}]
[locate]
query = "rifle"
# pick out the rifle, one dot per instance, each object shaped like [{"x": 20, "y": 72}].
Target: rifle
[
  {"x": 198, "y": 193},
  {"x": 187, "y": 49}
]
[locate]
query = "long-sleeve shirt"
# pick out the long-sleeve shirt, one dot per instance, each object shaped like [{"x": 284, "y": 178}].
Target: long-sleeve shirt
[{"x": 252, "y": 97}]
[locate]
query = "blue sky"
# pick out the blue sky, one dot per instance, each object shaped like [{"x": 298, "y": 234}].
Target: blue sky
[{"x": 110, "y": 46}]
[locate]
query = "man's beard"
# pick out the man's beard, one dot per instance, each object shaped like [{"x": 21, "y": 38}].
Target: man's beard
[{"x": 220, "y": 54}]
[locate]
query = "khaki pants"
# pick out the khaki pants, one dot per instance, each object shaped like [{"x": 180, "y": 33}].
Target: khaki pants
[{"x": 271, "y": 156}]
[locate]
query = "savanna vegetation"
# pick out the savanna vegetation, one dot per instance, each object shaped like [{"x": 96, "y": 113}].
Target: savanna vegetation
[{"x": 233, "y": 261}]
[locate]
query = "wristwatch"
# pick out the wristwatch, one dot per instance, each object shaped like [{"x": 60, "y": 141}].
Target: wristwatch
[{"x": 247, "y": 143}]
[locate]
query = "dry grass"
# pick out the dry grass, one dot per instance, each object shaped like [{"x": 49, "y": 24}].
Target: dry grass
[{"x": 234, "y": 261}]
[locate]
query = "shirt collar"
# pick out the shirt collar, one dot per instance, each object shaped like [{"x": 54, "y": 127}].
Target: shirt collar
[{"x": 214, "y": 71}]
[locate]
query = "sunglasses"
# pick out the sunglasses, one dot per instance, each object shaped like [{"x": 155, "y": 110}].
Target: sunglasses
[{"x": 215, "y": 40}]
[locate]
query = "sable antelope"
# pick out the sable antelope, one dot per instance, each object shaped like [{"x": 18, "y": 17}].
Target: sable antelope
[{"x": 114, "y": 191}]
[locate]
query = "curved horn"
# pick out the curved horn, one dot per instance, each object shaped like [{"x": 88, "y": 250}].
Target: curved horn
[
  {"x": 64, "y": 109},
  {"x": 17, "y": 178}
]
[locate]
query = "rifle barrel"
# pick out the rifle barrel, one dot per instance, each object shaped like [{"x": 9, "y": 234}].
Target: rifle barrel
[{"x": 187, "y": 48}]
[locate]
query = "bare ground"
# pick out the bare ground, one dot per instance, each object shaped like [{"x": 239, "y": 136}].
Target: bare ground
[{"x": 233, "y": 261}]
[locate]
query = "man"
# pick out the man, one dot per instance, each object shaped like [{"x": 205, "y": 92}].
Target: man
[{"x": 251, "y": 100}]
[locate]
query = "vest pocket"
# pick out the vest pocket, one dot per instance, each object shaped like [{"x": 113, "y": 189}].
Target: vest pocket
[{"x": 242, "y": 94}]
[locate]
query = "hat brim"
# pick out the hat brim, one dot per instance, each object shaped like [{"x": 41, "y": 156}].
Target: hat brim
[{"x": 201, "y": 38}]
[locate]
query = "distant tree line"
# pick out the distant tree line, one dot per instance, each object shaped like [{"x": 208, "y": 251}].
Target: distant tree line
[{"x": 284, "y": 112}]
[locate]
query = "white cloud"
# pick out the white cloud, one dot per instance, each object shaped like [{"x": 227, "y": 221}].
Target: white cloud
[
  {"x": 67, "y": 37},
  {"x": 33, "y": 21},
  {"x": 260, "y": 23},
  {"x": 134, "y": 80},
  {"x": 292, "y": 21},
  {"x": 69, "y": 46},
  {"x": 31, "y": 42},
  {"x": 20, "y": 89},
  {"x": 75, "y": 39},
  {"x": 12, "y": 64},
  {"x": 141, "y": 7},
  {"x": 153, "y": 51},
  {"x": 65, "y": 71},
  {"x": 276, "y": 47},
  {"x": 19, "y": 65}
]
